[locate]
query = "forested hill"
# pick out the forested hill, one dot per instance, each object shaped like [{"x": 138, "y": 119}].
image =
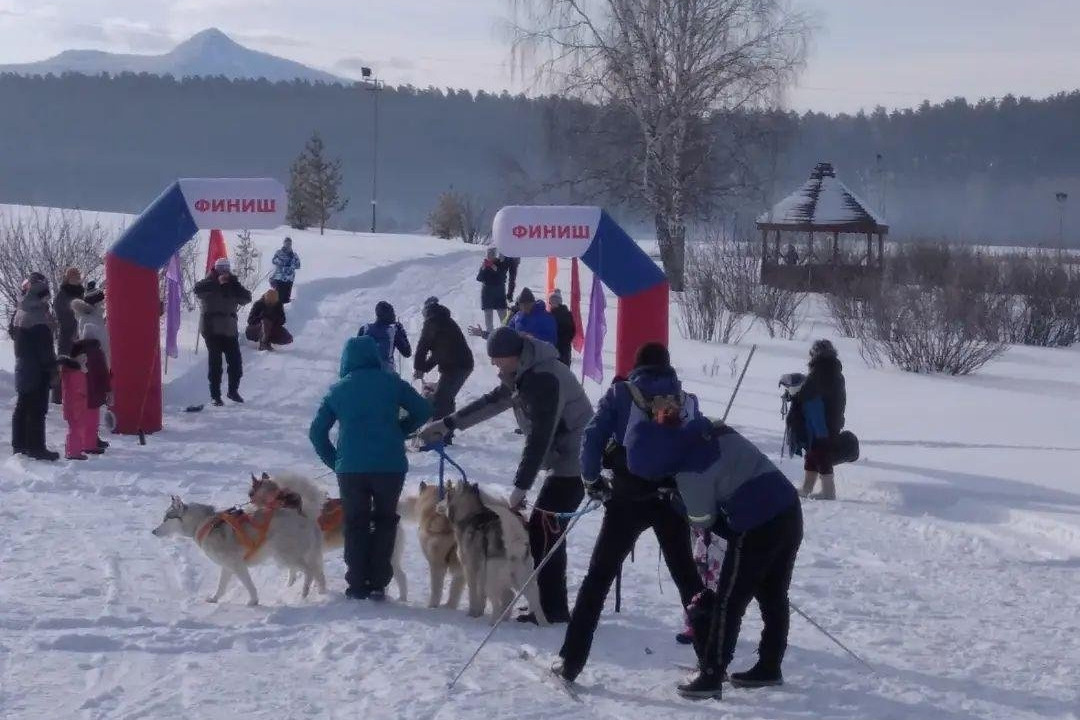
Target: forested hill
[{"x": 987, "y": 171}]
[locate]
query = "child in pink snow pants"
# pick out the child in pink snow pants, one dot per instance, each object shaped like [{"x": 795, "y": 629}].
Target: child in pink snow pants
[{"x": 81, "y": 427}]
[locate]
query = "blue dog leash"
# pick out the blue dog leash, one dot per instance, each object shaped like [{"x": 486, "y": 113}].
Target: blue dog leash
[{"x": 439, "y": 448}]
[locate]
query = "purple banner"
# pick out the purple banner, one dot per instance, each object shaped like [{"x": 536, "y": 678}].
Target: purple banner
[
  {"x": 174, "y": 279},
  {"x": 592, "y": 363}
]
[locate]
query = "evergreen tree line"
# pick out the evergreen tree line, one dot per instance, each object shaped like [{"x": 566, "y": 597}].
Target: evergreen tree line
[{"x": 986, "y": 171}]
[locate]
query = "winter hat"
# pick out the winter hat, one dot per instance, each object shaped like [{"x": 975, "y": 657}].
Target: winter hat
[
  {"x": 72, "y": 276},
  {"x": 652, "y": 354},
  {"x": 555, "y": 298},
  {"x": 94, "y": 297},
  {"x": 431, "y": 301},
  {"x": 505, "y": 342},
  {"x": 526, "y": 296},
  {"x": 384, "y": 312},
  {"x": 287, "y": 242},
  {"x": 492, "y": 253},
  {"x": 222, "y": 265},
  {"x": 822, "y": 349}
]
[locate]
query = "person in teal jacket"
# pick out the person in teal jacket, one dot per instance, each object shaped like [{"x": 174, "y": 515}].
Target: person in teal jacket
[{"x": 369, "y": 459}]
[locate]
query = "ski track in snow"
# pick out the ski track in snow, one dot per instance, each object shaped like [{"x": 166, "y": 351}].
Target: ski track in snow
[{"x": 950, "y": 564}]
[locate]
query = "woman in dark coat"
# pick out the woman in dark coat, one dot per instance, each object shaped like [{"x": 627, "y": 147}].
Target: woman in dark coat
[
  {"x": 492, "y": 277},
  {"x": 266, "y": 322},
  {"x": 564, "y": 325},
  {"x": 35, "y": 369},
  {"x": 820, "y": 403},
  {"x": 66, "y": 322}
]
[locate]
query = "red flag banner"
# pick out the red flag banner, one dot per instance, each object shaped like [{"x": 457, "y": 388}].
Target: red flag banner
[
  {"x": 215, "y": 250},
  {"x": 575, "y": 306}
]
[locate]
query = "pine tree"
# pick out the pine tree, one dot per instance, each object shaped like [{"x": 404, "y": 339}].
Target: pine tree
[
  {"x": 322, "y": 182},
  {"x": 299, "y": 214}
]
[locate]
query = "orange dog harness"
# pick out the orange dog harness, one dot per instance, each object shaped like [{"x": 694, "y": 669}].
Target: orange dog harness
[{"x": 239, "y": 520}]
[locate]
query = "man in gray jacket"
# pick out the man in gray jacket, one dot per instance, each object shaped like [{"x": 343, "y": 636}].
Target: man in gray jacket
[
  {"x": 552, "y": 411},
  {"x": 221, "y": 295}
]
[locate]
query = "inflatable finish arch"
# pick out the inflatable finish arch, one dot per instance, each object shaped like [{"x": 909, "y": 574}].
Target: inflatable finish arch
[
  {"x": 606, "y": 249},
  {"x": 131, "y": 278}
]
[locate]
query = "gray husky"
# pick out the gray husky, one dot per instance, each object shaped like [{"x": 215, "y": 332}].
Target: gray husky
[
  {"x": 236, "y": 540},
  {"x": 493, "y": 546}
]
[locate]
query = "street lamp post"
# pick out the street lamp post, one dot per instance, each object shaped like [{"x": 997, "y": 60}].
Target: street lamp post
[
  {"x": 374, "y": 85},
  {"x": 1062, "y": 198}
]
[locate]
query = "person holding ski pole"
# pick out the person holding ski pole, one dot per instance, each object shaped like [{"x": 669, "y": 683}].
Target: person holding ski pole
[
  {"x": 552, "y": 409},
  {"x": 732, "y": 488}
]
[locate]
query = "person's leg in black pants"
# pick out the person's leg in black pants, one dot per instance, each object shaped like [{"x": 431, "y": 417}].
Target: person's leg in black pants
[
  {"x": 19, "y": 423},
  {"x": 235, "y": 362},
  {"x": 385, "y": 489},
  {"x": 36, "y": 410},
  {"x": 444, "y": 401},
  {"x": 560, "y": 494},
  {"x": 772, "y": 598},
  {"x": 356, "y": 501},
  {"x": 214, "y": 352},
  {"x": 623, "y": 522},
  {"x": 673, "y": 536}
]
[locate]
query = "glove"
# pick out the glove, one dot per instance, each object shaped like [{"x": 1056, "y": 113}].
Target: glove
[
  {"x": 598, "y": 489},
  {"x": 509, "y": 297},
  {"x": 517, "y": 498},
  {"x": 434, "y": 432}
]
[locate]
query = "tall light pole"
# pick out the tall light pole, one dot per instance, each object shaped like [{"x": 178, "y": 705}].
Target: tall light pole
[
  {"x": 1062, "y": 198},
  {"x": 374, "y": 85}
]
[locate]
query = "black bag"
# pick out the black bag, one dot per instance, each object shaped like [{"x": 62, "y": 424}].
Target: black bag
[{"x": 845, "y": 448}]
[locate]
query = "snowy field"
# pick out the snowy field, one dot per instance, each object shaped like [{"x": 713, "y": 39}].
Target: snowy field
[{"x": 951, "y": 563}]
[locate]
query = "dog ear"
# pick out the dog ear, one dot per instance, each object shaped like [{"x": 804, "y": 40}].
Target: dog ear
[
  {"x": 254, "y": 480},
  {"x": 423, "y": 486},
  {"x": 266, "y": 476}
]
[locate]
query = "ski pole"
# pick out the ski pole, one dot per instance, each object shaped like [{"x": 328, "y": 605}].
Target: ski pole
[
  {"x": 738, "y": 385},
  {"x": 829, "y": 635},
  {"x": 520, "y": 592}
]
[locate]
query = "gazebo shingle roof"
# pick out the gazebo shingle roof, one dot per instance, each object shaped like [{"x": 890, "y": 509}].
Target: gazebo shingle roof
[{"x": 823, "y": 204}]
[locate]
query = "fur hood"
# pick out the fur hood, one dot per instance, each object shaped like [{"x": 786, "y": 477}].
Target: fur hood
[{"x": 81, "y": 307}]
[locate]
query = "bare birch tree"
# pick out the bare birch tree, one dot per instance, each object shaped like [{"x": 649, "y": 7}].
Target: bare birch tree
[{"x": 673, "y": 65}]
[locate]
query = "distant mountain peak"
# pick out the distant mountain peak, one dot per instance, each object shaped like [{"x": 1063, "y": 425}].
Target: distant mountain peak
[{"x": 209, "y": 52}]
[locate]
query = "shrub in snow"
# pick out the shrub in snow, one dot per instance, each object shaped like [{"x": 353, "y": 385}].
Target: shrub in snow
[
  {"x": 459, "y": 215},
  {"x": 1044, "y": 299},
  {"x": 718, "y": 292},
  {"x": 247, "y": 260},
  {"x": 49, "y": 242}
]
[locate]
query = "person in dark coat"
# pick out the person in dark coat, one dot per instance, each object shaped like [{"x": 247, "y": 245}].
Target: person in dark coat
[
  {"x": 492, "y": 277},
  {"x": 388, "y": 333},
  {"x": 35, "y": 369},
  {"x": 731, "y": 488},
  {"x": 221, "y": 295},
  {"x": 368, "y": 459},
  {"x": 266, "y": 322},
  {"x": 442, "y": 345},
  {"x": 817, "y": 417},
  {"x": 631, "y": 505},
  {"x": 66, "y": 321},
  {"x": 553, "y": 411},
  {"x": 512, "y": 265},
  {"x": 565, "y": 329}
]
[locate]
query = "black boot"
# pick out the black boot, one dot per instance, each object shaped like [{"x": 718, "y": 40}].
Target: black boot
[
  {"x": 102, "y": 444},
  {"x": 235, "y": 397},
  {"x": 760, "y": 675},
  {"x": 561, "y": 669},
  {"x": 707, "y": 684}
]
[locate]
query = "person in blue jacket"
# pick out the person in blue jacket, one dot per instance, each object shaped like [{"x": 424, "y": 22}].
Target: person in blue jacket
[
  {"x": 730, "y": 487},
  {"x": 286, "y": 263},
  {"x": 388, "y": 334},
  {"x": 369, "y": 459},
  {"x": 533, "y": 319}
]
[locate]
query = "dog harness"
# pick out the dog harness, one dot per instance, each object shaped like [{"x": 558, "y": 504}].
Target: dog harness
[{"x": 238, "y": 520}]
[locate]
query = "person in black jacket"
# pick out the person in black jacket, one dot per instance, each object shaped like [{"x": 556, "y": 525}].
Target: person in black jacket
[
  {"x": 564, "y": 325},
  {"x": 631, "y": 506},
  {"x": 512, "y": 264},
  {"x": 35, "y": 369},
  {"x": 442, "y": 345},
  {"x": 221, "y": 295},
  {"x": 817, "y": 417},
  {"x": 492, "y": 277},
  {"x": 266, "y": 322}
]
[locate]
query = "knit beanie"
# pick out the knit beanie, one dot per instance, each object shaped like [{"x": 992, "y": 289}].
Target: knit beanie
[
  {"x": 222, "y": 265},
  {"x": 505, "y": 342},
  {"x": 526, "y": 296}
]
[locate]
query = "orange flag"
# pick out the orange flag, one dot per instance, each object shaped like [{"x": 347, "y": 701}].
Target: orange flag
[
  {"x": 215, "y": 250},
  {"x": 552, "y": 274},
  {"x": 575, "y": 306}
]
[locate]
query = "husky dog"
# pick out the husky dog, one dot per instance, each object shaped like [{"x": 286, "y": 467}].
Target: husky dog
[
  {"x": 295, "y": 491},
  {"x": 494, "y": 550},
  {"x": 439, "y": 545},
  {"x": 236, "y": 540}
]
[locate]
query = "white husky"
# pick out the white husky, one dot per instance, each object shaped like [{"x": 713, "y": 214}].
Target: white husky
[
  {"x": 236, "y": 540},
  {"x": 493, "y": 545}
]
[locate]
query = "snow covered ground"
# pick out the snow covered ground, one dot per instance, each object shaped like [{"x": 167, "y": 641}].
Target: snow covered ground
[{"x": 951, "y": 563}]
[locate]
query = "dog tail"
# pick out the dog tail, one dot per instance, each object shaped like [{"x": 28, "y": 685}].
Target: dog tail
[{"x": 311, "y": 494}]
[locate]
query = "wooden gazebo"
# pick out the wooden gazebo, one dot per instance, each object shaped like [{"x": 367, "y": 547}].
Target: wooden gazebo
[{"x": 825, "y": 206}]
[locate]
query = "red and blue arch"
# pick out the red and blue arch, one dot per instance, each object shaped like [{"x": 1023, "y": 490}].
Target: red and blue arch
[
  {"x": 132, "y": 300},
  {"x": 608, "y": 251}
]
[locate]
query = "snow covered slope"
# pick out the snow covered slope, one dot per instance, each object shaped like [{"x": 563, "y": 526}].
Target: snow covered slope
[{"x": 951, "y": 563}]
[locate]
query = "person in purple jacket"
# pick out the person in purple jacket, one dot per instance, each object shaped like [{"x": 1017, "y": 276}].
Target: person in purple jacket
[{"x": 533, "y": 319}]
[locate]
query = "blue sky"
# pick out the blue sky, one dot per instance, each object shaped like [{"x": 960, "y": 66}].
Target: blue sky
[{"x": 865, "y": 53}]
